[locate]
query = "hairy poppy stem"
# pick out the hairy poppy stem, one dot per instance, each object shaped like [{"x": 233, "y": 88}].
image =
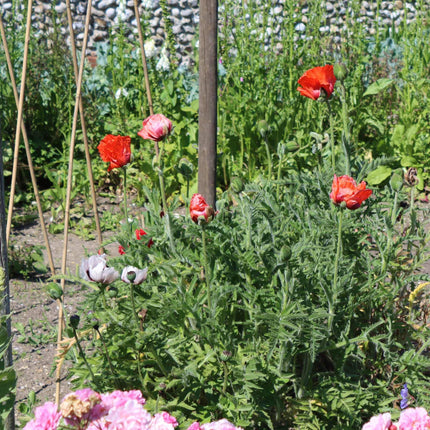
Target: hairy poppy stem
[
  {"x": 206, "y": 268},
  {"x": 125, "y": 195},
  {"x": 136, "y": 321},
  {"x": 331, "y": 120},
  {"x": 346, "y": 137},
  {"x": 332, "y": 300},
  {"x": 82, "y": 354}
]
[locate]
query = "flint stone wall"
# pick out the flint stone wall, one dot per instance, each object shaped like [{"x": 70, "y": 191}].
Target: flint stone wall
[{"x": 106, "y": 15}]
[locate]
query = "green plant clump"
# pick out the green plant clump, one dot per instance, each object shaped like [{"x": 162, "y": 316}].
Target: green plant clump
[{"x": 245, "y": 318}]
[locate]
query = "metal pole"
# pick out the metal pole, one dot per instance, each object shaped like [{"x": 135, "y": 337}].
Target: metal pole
[{"x": 208, "y": 99}]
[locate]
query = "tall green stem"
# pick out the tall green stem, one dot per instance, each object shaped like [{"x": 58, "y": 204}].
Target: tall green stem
[
  {"x": 346, "y": 137},
  {"x": 331, "y": 120},
  {"x": 125, "y": 195},
  {"x": 136, "y": 321},
  {"x": 161, "y": 179},
  {"x": 269, "y": 160},
  {"x": 333, "y": 297},
  {"x": 81, "y": 353},
  {"x": 206, "y": 268}
]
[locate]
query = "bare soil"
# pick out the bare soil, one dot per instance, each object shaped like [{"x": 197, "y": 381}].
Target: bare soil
[{"x": 35, "y": 315}]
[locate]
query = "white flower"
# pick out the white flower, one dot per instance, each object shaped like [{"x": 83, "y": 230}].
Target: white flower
[
  {"x": 121, "y": 92},
  {"x": 147, "y": 4},
  {"x": 133, "y": 275},
  {"x": 149, "y": 48},
  {"x": 95, "y": 269},
  {"x": 163, "y": 62}
]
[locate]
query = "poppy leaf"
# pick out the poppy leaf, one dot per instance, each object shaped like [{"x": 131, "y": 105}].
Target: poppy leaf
[
  {"x": 379, "y": 175},
  {"x": 378, "y": 86}
]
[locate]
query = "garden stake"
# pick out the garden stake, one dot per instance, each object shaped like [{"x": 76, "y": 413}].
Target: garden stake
[
  {"x": 27, "y": 150},
  {"x": 19, "y": 120},
  {"x": 69, "y": 188},
  {"x": 145, "y": 66},
  {"x": 83, "y": 125}
]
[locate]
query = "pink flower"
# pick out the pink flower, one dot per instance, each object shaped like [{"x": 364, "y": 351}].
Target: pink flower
[
  {"x": 414, "y": 419},
  {"x": 46, "y": 417},
  {"x": 163, "y": 421},
  {"x": 129, "y": 416},
  {"x": 119, "y": 398},
  {"x": 194, "y": 426},
  {"x": 220, "y": 425},
  {"x": 155, "y": 127},
  {"x": 95, "y": 269},
  {"x": 379, "y": 422},
  {"x": 133, "y": 275},
  {"x": 200, "y": 210}
]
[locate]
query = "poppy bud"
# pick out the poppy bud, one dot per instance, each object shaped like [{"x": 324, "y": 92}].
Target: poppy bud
[
  {"x": 291, "y": 146},
  {"x": 396, "y": 181},
  {"x": 74, "y": 321},
  {"x": 225, "y": 355},
  {"x": 237, "y": 184},
  {"x": 285, "y": 253},
  {"x": 185, "y": 167},
  {"x": 112, "y": 292},
  {"x": 54, "y": 291},
  {"x": 263, "y": 127},
  {"x": 340, "y": 71}
]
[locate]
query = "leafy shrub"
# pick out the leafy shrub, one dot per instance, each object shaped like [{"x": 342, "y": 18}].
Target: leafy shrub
[{"x": 257, "y": 329}]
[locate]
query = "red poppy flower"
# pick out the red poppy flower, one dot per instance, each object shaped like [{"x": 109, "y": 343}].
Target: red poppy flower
[
  {"x": 200, "y": 210},
  {"x": 140, "y": 232},
  {"x": 115, "y": 150},
  {"x": 344, "y": 189},
  {"x": 315, "y": 80},
  {"x": 121, "y": 250},
  {"x": 155, "y": 127}
]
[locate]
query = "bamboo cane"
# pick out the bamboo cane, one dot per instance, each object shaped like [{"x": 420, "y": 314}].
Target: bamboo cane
[
  {"x": 69, "y": 187},
  {"x": 27, "y": 150},
  {"x": 83, "y": 125},
  {"x": 19, "y": 120},
  {"x": 145, "y": 66}
]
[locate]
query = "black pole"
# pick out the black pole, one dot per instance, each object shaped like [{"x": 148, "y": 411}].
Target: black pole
[
  {"x": 4, "y": 279},
  {"x": 208, "y": 99}
]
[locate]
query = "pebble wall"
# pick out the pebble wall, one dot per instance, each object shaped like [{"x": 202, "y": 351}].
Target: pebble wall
[{"x": 106, "y": 15}]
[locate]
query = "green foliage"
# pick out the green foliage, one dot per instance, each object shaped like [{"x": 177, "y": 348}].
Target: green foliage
[
  {"x": 26, "y": 260},
  {"x": 273, "y": 342}
]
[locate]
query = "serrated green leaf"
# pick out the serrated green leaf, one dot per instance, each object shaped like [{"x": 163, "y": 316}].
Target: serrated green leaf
[{"x": 378, "y": 86}]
